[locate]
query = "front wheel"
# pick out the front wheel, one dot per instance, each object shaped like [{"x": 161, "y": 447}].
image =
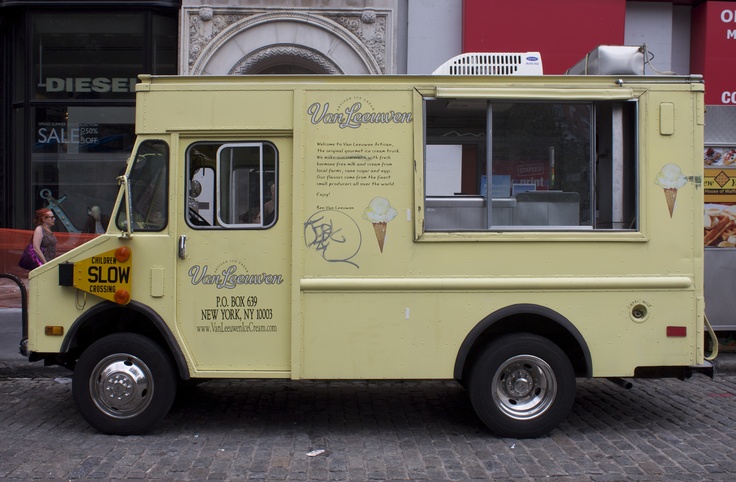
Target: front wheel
[
  {"x": 124, "y": 384},
  {"x": 522, "y": 385}
]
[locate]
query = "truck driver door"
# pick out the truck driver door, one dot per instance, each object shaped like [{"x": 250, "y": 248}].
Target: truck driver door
[{"x": 234, "y": 257}]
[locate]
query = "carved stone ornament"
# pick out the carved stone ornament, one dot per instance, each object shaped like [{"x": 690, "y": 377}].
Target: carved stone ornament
[
  {"x": 363, "y": 31},
  {"x": 202, "y": 29},
  {"x": 370, "y": 28},
  {"x": 253, "y": 60},
  {"x": 206, "y": 13},
  {"x": 368, "y": 16}
]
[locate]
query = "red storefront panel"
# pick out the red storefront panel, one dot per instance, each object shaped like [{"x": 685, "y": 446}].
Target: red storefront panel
[
  {"x": 563, "y": 31},
  {"x": 713, "y": 50}
]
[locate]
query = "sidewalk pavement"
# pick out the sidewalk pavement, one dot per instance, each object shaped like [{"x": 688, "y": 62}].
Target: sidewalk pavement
[{"x": 13, "y": 364}]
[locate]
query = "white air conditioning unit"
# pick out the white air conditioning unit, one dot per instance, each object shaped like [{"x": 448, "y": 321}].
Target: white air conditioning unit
[{"x": 492, "y": 63}]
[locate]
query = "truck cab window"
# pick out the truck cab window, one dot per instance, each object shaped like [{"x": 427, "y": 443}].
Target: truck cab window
[
  {"x": 148, "y": 180},
  {"x": 232, "y": 185},
  {"x": 529, "y": 165}
]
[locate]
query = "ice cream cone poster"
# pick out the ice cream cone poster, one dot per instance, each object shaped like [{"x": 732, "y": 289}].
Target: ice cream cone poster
[
  {"x": 379, "y": 212},
  {"x": 670, "y": 179}
]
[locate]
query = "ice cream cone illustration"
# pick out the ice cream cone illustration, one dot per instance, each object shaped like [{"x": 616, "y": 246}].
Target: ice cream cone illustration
[
  {"x": 670, "y": 193},
  {"x": 670, "y": 179},
  {"x": 379, "y": 212},
  {"x": 380, "y": 229}
]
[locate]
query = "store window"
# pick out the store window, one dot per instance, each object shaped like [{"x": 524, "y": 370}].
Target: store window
[
  {"x": 81, "y": 104},
  {"x": 76, "y": 157},
  {"x": 87, "y": 56},
  {"x": 552, "y": 165},
  {"x": 165, "y": 45},
  {"x": 17, "y": 60}
]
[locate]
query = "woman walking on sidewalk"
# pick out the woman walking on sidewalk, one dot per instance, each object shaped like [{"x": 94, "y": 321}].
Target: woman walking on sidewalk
[{"x": 44, "y": 241}]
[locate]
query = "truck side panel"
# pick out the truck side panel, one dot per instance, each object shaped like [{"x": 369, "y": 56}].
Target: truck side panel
[{"x": 379, "y": 294}]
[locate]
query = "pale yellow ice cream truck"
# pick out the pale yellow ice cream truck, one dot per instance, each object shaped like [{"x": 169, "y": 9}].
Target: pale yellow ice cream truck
[{"x": 510, "y": 233}]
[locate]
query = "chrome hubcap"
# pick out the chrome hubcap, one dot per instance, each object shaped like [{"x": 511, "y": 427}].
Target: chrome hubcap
[
  {"x": 121, "y": 386},
  {"x": 524, "y": 387}
]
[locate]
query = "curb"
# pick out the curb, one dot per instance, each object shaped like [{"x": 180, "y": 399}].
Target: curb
[
  {"x": 25, "y": 369},
  {"x": 725, "y": 363}
]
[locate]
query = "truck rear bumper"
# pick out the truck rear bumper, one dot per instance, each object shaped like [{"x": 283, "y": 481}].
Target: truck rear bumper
[{"x": 683, "y": 373}]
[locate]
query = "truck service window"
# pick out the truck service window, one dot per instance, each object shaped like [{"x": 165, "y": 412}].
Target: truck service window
[
  {"x": 539, "y": 165},
  {"x": 232, "y": 185},
  {"x": 148, "y": 182}
]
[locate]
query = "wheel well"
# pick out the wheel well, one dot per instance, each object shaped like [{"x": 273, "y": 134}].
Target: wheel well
[
  {"x": 525, "y": 319},
  {"x": 108, "y": 318}
]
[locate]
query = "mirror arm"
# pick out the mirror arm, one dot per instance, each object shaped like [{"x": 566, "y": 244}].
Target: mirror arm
[{"x": 123, "y": 180}]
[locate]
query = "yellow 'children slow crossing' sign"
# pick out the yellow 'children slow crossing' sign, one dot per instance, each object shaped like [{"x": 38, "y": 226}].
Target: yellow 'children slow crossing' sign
[{"x": 106, "y": 275}]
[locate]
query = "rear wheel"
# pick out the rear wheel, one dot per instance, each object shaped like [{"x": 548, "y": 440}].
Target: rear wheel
[
  {"x": 124, "y": 384},
  {"x": 522, "y": 385}
]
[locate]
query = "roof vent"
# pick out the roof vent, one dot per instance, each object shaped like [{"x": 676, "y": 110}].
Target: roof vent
[{"x": 493, "y": 63}]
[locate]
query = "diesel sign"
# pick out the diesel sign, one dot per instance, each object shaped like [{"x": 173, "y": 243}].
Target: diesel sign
[{"x": 87, "y": 84}]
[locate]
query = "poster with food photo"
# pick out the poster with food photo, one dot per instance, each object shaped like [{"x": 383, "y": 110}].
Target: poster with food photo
[
  {"x": 720, "y": 156},
  {"x": 719, "y": 222}
]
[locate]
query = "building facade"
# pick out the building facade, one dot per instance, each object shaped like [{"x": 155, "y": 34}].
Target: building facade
[
  {"x": 69, "y": 68},
  {"x": 68, "y": 101}
]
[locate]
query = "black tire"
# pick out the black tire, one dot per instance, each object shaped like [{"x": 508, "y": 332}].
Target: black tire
[
  {"x": 522, "y": 386},
  {"x": 124, "y": 384}
]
